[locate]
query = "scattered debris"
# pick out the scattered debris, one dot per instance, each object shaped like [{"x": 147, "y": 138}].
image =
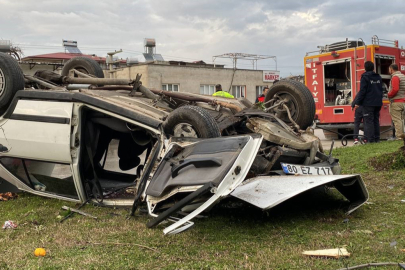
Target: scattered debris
[
  {"x": 9, "y": 225},
  {"x": 373, "y": 265},
  {"x": 28, "y": 213},
  {"x": 402, "y": 200},
  {"x": 8, "y": 196},
  {"x": 70, "y": 213},
  {"x": 393, "y": 243},
  {"x": 78, "y": 211},
  {"x": 363, "y": 231},
  {"x": 346, "y": 220},
  {"x": 40, "y": 252},
  {"x": 331, "y": 253},
  {"x": 403, "y": 249}
]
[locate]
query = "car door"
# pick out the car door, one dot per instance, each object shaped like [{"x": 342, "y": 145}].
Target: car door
[
  {"x": 216, "y": 165},
  {"x": 36, "y": 155}
]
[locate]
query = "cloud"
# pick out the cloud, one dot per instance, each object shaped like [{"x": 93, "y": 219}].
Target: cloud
[{"x": 194, "y": 30}]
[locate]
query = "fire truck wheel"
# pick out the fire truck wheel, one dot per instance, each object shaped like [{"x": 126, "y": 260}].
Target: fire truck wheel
[
  {"x": 299, "y": 101},
  {"x": 83, "y": 64},
  {"x": 191, "y": 121},
  {"x": 11, "y": 80}
]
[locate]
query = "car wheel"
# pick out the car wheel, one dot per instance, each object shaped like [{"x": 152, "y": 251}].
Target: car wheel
[
  {"x": 11, "y": 80},
  {"x": 299, "y": 101},
  {"x": 83, "y": 64},
  {"x": 192, "y": 122}
]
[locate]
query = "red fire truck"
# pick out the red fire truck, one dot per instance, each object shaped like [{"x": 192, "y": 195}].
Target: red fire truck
[{"x": 333, "y": 75}]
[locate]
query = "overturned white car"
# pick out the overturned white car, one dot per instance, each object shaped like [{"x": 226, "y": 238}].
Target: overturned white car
[{"x": 114, "y": 142}]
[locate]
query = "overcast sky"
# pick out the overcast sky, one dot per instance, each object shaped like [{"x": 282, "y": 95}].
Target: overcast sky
[{"x": 197, "y": 30}]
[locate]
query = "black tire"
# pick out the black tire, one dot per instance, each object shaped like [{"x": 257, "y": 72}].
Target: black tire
[
  {"x": 85, "y": 65},
  {"x": 186, "y": 117},
  {"x": 11, "y": 80},
  {"x": 301, "y": 102}
]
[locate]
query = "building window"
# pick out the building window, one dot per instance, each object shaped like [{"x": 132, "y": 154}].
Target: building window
[
  {"x": 239, "y": 91},
  {"x": 171, "y": 87},
  {"x": 259, "y": 89},
  {"x": 207, "y": 89},
  {"x": 43, "y": 176}
]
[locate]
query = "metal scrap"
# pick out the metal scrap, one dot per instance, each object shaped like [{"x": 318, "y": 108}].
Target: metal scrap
[{"x": 330, "y": 253}]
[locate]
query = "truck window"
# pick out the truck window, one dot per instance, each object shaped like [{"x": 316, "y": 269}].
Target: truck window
[{"x": 338, "y": 89}]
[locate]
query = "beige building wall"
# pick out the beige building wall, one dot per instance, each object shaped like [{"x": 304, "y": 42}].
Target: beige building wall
[{"x": 191, "y": 78}]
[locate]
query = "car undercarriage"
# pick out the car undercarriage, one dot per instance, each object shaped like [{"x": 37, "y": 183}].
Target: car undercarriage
[{"x": 115, "y": 142}]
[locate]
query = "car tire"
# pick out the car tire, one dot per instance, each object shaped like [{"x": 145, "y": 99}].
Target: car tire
[
  {"x": 301, "y": 102},
  {"x": 83, "y": 64},
  {"x": 191, "y": 121},
  {"x": 11, "y": 80}
]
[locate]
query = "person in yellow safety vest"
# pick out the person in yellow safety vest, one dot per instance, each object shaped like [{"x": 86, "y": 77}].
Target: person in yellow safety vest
[{"x": 220, "y": 93}]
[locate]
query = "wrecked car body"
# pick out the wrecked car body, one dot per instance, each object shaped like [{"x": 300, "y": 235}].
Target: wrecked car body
[{"x": 117, "y": 143}]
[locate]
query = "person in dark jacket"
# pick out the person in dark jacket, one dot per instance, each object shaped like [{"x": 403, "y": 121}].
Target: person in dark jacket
[{"x": 370, "y": 97}]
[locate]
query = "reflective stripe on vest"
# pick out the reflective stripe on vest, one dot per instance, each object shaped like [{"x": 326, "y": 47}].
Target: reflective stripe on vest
[
  {"x": 401, "y": 91},
  {"x": 222, "y": 94}
]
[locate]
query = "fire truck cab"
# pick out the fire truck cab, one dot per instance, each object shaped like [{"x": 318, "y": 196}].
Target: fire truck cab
[{"x": 333, "y": 75}]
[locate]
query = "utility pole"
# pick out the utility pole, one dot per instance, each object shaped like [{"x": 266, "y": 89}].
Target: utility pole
[{"x": 111, "y": 62}]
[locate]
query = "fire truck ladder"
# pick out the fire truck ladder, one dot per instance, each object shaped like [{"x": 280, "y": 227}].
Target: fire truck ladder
[{"x": 356, "y": 65}]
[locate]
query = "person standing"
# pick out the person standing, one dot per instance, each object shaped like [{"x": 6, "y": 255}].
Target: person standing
[
  {"x": 396, "y": 94},
  {"x": 358, "y": 118},
  {"x": 220, "y": 93},
  {"x": 370, "y": 97},
  {"x": 262, "y": 97}
]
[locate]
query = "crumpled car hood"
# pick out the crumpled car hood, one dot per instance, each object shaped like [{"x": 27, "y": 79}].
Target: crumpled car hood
[{"x": 268, "y": 191}]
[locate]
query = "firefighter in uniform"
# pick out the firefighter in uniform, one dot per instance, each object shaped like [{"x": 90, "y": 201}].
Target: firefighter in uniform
[
  {"x": 370, "y": 98},
  {"x": 262, "y": 97},
  {"x": 396, "y": 95},
  {"x": 220, "y": 93}
]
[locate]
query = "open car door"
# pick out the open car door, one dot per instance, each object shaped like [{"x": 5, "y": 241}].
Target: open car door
[
  {"x": 196, "y": 173},
  {"x": 36, "y": 148},
  {"x": 198, "y": 169}
]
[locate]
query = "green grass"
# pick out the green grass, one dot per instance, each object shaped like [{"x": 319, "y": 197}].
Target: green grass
[{"x": 245, "y": 238}]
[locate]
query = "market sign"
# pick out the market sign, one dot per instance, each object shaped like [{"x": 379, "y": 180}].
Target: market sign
[{"x": 270, "y": 76}]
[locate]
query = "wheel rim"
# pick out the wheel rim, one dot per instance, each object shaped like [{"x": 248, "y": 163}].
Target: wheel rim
[
  {"x": 292, "y": 105},
  {"x": 185, "y": 130},
  {"x": 2, "y": 82}
]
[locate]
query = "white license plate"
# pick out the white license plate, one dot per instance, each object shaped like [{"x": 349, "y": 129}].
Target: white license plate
[{"x": 305, "y": 170}]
